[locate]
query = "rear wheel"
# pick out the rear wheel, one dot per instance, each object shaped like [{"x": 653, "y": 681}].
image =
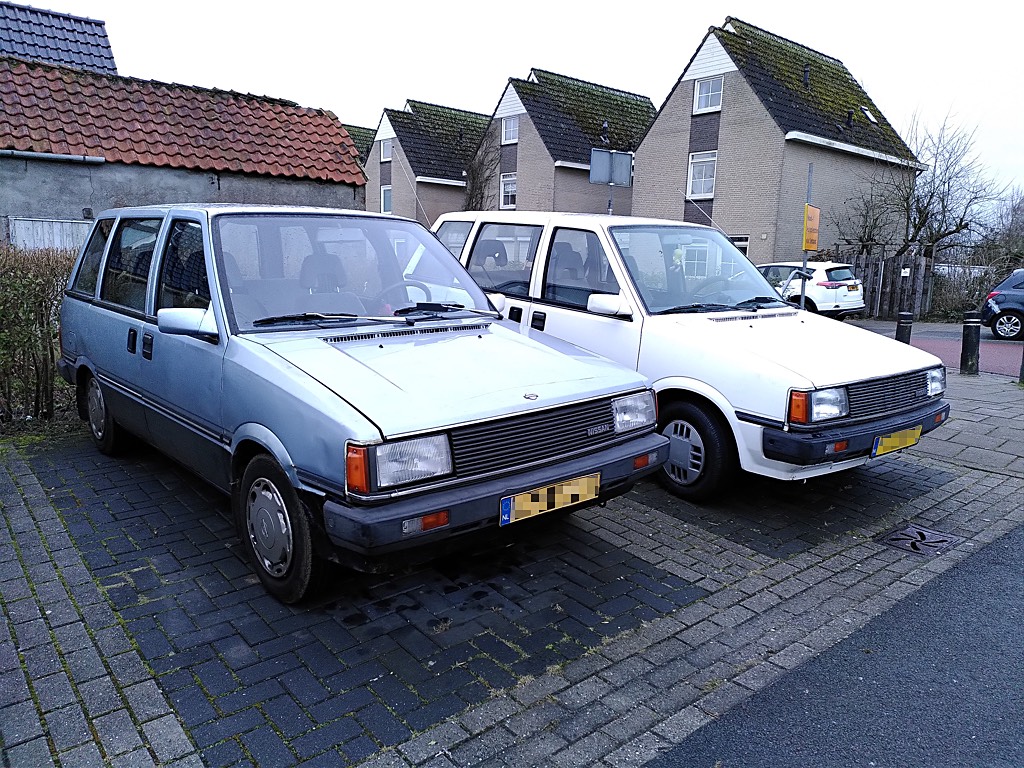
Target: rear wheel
[
  {"x": 274, "y": 530},
  {"x": 701, "y": 458},
  {"x": 1009, "y": 326},
  {"x": 105, "y": 433}
]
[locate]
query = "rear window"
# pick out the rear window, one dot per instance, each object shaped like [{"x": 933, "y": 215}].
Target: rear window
[{"x": 840, "y": 273}]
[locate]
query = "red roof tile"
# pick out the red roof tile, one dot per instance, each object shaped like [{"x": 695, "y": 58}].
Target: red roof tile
[{"x": 71, "y": 112}]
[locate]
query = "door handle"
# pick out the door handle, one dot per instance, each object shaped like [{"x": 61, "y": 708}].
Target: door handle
[
  {"x": 147, "y": 346},
  {"x": 133, "y": 337},
  {"x": 537, "y": 321},
  {"x": 515, "y": 314}
]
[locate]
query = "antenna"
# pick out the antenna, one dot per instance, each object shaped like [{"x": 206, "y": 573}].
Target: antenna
[{"x": 707, "y": 215}]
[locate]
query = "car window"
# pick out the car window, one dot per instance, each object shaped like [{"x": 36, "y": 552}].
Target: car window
[
  {"x": 502, "y": 257},
  {"x": 126, "y": 274},
  {"x": 454, "y": 235},
  {"x": 840, "y": 273},
  {"x": 577, "y": 266},
  {"x": 89, "y": 269},
  {"x": 183, "y": 278}
]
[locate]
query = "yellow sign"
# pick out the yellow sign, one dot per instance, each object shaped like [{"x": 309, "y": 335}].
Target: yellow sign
[
  {"x": 551, "y": 497},
  {"x": 811, "y": 216}
]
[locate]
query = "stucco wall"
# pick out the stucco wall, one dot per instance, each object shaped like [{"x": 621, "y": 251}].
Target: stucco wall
[{"x": 62, "y": 190}]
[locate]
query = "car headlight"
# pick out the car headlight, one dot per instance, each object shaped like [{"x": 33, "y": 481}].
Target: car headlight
[
  {"x": 936, "y": 381},
  {"x": 406, "y": 461},
  {"x": 634, "y": 411},
  {"x": 818, "y": 405}
]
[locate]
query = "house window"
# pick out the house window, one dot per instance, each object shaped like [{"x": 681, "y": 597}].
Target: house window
[
  {"x": 385, "y": 150},
  {"x": 510, "y": 130},
  {"x": 742, "y": 243},
  {"x": 385, "y": 199},
  {"x": 707, "y": 95},
  {"x": 508, "y": 190},
  {"x": 702, "y": 175}
]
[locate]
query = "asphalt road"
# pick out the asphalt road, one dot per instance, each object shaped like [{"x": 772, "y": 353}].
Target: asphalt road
[
  {"x": 936, "y": 682},
  {"x": 945, "y": 341}
]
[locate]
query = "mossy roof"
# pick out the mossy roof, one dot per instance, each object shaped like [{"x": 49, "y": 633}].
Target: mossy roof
[
  {"x": 438, "y": 141},
  {"x": 830, "y": 106},
  {"x": 362, "y": 138},
  {"x": 569, "y": 115}
]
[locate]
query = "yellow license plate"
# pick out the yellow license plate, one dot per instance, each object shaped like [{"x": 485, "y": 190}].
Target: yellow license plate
[
  {"x": 853, "y": 288},
  {"x": 549, "y": 498},
  {"x": 897, "y": 440}
]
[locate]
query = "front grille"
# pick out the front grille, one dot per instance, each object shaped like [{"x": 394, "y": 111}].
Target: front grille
[
  {"x": 516, "y": 441},
  {"x": 880, "y": 397}
]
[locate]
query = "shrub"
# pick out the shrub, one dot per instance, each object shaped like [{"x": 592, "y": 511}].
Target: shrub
[{"x": 31, "y": 287}]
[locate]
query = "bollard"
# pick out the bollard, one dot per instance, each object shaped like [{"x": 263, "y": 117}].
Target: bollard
[
  {"x": 904, "y": 325},
  {"x": 971, "y": 348}
]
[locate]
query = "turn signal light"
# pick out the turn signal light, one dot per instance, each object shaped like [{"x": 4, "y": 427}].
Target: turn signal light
[
  {"x": 799, "y": 407},
  {"x": 357, "y": 469}
]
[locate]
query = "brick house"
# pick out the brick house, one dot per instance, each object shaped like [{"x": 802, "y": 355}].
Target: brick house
[
  {"x": 74, "y": 142},
  {"x": 536, "y": 153},
  {"x": 417, "y": 164},
  {"x": 735, "y": 139}
]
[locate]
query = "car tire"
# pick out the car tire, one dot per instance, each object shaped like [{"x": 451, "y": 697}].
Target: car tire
[
  {"x": 106, "y": 434},
  {"x": 809, "y": 305},
  {"x": 1008, "y": 326},
  {"x": 702, "y": 455},
  {"x": 275, "y": 530}
]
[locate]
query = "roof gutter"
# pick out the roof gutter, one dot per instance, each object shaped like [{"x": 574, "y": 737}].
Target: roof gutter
[
  {"x": 435, "y": 180},
  {"x": 567, "y": 164},
  {"x": 839, "y": 146},
  {"x": 93, "y": 159}
]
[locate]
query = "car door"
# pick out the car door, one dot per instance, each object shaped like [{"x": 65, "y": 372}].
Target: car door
[
  {"x": 113, "y": 339},
  {"x": 182, "y": 375},
  {"x": 501, "y": 260},
  {"x": 576, "y": 266}
]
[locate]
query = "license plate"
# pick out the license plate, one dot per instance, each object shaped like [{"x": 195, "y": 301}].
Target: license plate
[
  {"x": 896, "y": 441},
  {"x": 551, "y": 497},
  {"x": 853, "y": 288}
]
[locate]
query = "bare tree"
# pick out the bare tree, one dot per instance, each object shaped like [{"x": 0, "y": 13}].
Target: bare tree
[
  {"x": 1001, "y": 248},
  {"x": 482, "y": 174}
]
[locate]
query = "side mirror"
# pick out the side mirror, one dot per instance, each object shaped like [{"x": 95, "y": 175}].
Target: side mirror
[
  {"x": 180, "y": 321},
  {"x": 498, "y": 300},
  {"x": 609, "y": 304}
]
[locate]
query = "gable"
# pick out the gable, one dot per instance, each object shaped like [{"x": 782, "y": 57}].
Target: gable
[
  {"x": 711, "y": 59},
  {"x": 55, "y": 38},
  {"x": 63, "y": 111},
  {"x": 510, "y": 104},
  {"x": 437, "y": 141}
]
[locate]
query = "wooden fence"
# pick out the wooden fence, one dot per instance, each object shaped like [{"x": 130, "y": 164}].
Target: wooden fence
[{"x": 891, "y": 284}]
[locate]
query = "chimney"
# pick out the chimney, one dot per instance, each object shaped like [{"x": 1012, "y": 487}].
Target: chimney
[
  {"x": 807, "y": 75},
  {"x": 849, "y": 118}
]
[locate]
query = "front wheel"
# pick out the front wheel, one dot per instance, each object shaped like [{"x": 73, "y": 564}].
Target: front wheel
[
  {"x": 274, "y": 530},
  {"x": 1009, "y": 326},
  {"x": 701, "y": 457}
]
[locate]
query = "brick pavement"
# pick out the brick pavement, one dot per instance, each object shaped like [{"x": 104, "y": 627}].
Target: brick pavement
[{"x": 133, "y": 634}]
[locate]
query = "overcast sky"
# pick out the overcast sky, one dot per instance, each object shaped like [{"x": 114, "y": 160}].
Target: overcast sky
[{"x": 937, "y": 61}]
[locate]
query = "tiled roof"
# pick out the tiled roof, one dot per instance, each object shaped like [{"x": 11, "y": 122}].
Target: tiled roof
[
  {"x": 125, "y": 120},
  {"x": 569, "y": 115},
  {"x": 774, "y": 67},
  {"x": 56, "y": 38},
  {"x": 438, "y": 141},
  {"x": 363, "y": 139}
]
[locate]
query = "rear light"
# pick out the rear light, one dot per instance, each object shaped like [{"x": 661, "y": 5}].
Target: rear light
[
  {"x": 992, "y": 295},
  {"x": 357, "y": 469},
  {"x": 831, "y": 284}
]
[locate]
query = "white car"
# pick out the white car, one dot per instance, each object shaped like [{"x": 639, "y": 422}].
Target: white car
[
  {"x": 832, "y": 289},
  {"x": 743, "y": 379}
]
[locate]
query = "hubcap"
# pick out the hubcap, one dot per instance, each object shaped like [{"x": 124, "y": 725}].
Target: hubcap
[
  {"x": 97, "y": 410},
  {"x": 270, "y": 530},
  {"x": 1008, "y": 325},
  {"x": 685, "y": 452}
]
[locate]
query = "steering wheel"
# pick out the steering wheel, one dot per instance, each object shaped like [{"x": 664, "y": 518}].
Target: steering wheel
[
  {"x": 381, "y": 297},
  {"x": 706, "y": 286}
]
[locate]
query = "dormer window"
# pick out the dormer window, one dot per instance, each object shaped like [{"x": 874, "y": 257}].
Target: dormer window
[
  {"x": 871, "y": 118},
  {"x": 707, "y": 94},
  {"x": 385, "y": 150},
  {"x": 510, "y": 130}
]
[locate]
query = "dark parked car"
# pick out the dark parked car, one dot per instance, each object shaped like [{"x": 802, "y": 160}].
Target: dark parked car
[{"x": 1003, "y": 310}]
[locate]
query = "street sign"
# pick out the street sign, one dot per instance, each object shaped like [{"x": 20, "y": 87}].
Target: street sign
[
  {"x": 811, "y": 217},
  {"x": 610, "y": 167}
]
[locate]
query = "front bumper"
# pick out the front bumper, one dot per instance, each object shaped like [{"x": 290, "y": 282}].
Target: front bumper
[
  {"x": 362, "y": 534},
  {"x": 809, "y": 448}
]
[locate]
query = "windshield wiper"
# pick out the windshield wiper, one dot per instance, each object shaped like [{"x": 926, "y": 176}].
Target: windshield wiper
[
  {"x": 758, "y": 302},
  {"x": 434, "y": 308},
  {"x": 302, "y": 317},
  {"x": 698, "y": 307}
]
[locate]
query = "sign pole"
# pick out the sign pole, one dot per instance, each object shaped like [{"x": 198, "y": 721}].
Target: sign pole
[{"x": 811, "y": 218}]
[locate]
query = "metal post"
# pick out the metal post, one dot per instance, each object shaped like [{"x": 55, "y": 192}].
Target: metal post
[
  {"x": 971, "y": 348},
  {"x": 904, "y": 325}
]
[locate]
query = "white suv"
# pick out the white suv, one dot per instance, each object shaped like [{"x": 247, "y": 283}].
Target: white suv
[
  {"x": 832, "y": 289},
  {"x": 743, "y": 379}
]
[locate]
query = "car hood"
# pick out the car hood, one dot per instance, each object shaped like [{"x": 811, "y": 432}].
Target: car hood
[
  {"x": 433, "y": 376},
  {"x": 821, "y": 351}
]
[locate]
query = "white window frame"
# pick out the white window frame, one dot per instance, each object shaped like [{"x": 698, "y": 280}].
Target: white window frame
[
  {"x": 386, "y": 148},
  {"x": 391, "y": 203},
  {"x": 510, "y": 129},
  {"x": 504, "y": 195},
  {"x": 701, "y": 161},
  {"x": 711, "y": 105}
]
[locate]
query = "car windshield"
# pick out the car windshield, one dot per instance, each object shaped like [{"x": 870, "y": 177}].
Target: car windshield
[
  {"x": 281, "y": 270},
  {"x": 690, "y": 269}
]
